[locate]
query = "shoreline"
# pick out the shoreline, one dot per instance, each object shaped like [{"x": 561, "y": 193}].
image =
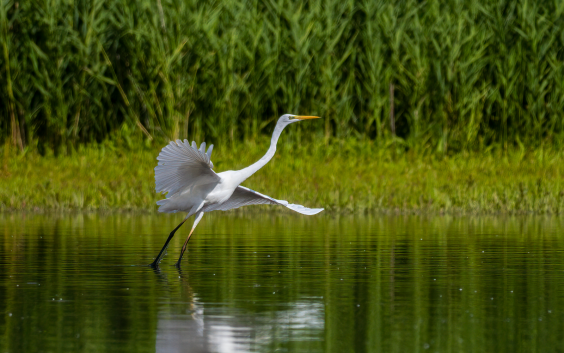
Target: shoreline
[{"x": 361, "y": 179}]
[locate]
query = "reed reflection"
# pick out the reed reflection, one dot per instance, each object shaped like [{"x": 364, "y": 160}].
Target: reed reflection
[{"x": 275, "y": 282}]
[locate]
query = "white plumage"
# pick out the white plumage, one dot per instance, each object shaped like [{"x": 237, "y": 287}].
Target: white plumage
[
  {"x": 185, "y": 172},
  {"x": 243, "y": 196},
  {"x": 182, "y": 167}
]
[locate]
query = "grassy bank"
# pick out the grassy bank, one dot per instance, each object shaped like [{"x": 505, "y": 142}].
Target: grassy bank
[
  {"x": 465, "y": 74},
  {"x": 345, "y": 177}
]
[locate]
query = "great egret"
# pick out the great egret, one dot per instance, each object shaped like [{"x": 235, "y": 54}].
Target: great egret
[{"x": 186, "y": 174}]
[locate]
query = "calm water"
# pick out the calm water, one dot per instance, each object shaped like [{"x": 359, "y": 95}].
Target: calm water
[{"x": 282, "y": 283}]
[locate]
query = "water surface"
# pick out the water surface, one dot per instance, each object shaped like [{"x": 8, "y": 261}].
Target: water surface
[{"x": 282, "y": 282}]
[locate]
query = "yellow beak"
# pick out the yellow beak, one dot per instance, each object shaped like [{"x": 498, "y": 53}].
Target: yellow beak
[{"x": 305, "y": 117}]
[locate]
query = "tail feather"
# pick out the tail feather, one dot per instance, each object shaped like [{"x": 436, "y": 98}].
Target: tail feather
[{"x": 165, "y": 207}]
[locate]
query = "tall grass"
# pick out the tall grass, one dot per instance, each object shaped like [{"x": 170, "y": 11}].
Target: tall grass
[
  {"x": 467, "y": 74},
  {"x": 357, "y": 176}
]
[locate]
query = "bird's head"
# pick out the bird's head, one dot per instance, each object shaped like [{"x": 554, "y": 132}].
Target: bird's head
[{"x": 287, "y": 119}]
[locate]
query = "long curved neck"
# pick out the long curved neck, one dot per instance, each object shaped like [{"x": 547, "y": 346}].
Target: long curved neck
[{"x": 253, "y": 168}]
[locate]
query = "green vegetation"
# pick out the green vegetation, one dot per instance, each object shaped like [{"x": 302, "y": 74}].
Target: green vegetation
[
  {"x": 91, "y": 90},
  {"x": 355, "y": 176},
  {"x": 466, "y": 74}
]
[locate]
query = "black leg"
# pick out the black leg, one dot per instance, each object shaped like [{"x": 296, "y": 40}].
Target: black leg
[{"x": 160, "y": 256}]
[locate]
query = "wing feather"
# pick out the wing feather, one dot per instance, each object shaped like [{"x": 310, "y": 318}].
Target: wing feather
[
  {"x": 182, "y": 166},
  {"x": 243, "y": 196}
]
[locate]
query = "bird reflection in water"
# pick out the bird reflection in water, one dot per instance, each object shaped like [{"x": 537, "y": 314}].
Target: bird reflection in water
[{"x": 196, "y": 327}]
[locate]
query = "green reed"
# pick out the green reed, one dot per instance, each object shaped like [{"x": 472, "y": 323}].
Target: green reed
[{"x": 466, "y": 74}]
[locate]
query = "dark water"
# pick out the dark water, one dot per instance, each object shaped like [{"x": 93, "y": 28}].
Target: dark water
[{"x": 282, "y": 283}]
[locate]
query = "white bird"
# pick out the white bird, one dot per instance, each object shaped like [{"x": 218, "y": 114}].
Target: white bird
[{"x": 186, "y": 174}]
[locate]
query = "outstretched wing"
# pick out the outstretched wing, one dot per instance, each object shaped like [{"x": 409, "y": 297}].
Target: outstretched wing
[
  {"x": 243, "y": 196},
  {"x": 182, "y": 166}
]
